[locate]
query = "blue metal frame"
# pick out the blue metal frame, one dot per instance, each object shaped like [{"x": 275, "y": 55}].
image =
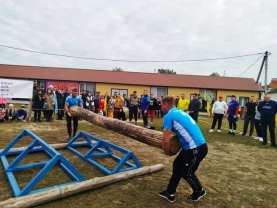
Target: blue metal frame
[
  {"x": 105, "y": 149},
  {"x": 37, "y": 145}
]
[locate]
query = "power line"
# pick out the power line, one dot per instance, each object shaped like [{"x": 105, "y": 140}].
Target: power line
[
  {"x": 122, "y": 60},
  {"x": 11, "y": 60},
  {"x": 251, "y": 65}
]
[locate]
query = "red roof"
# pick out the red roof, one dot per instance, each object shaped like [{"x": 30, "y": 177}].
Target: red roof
[{"x": 133, "y": 78}]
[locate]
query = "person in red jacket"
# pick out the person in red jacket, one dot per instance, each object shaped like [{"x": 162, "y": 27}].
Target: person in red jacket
[{"x": 101, "y": 105}]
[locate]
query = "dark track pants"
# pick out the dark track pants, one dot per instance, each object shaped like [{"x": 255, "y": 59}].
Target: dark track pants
[
  {"x": 217, "y": 117},
  {"x": 248, "y": 119},
  {"x": 133, "y": 110},
  {"x": 75, "y": 125},
  {"x": 258, "y": 127},
  {"x": 185, "y": 165},
  {"x": 270, "y": 122}
]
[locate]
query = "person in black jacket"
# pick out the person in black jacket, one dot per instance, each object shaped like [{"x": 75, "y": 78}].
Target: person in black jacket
[
  {"x": 268, "y": 110},
  {"x": 194, "y": 107},
  {"x": 152, "y": 107},
  {"x": 38, "y": 105},
  {"x": 60, "y": 99}
]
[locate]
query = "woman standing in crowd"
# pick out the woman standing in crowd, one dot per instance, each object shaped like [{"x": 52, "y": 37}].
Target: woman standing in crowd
[
  {"x": 111, "y": 105},
  {"x": 90, "y": 102},
  {"x": 48, "y": 99}
]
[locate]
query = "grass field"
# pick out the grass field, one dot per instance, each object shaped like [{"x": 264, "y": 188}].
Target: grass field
[{"x": 237, "y": 172}]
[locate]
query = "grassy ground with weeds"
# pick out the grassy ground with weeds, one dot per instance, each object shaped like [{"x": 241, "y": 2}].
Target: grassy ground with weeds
[{"x": 237, "y": 172}]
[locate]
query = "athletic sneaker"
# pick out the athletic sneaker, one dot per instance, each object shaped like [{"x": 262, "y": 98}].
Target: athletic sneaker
[
  {"x": 257, "y": 138},
  {"x": 166, "y": 195},
  {"x": 211, "y": 130},
  {"x": 243, "y": 135},
  {"x": 136, "y": 123},
  {"x": 197, "y": 195},
  {"x": 230, "y": 132},
  {"x": 261, "y": 139},
  {"x": 69, "y": 138},
  {"x": 218, "y": 130}
]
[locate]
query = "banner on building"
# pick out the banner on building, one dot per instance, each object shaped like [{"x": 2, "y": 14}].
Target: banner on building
[
  {"x": 60, "y": 85},
  {"x": 10, "y": 88}
]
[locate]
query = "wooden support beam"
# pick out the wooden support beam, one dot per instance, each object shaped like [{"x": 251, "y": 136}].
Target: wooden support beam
[
  {"x": 65, "y": 191},
  {"x": 55, "y": 146}
]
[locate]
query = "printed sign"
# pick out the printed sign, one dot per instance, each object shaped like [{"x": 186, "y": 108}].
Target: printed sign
[
  {"x": 10, "y": 88},
  {"x": 60, "y": 85}
]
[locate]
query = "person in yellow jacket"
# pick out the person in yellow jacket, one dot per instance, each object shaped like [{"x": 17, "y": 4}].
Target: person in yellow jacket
[
  {"x": 183, "y": 103},
  {"x": 119, "y": 104}
]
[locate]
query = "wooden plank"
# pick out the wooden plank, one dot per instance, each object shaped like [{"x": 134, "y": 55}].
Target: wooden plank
[{"x": 65, "y": 191}]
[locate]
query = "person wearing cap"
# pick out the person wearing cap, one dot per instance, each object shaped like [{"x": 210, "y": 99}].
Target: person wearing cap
[
  {"x": 2, "y": 114},
  {"x": 10, "y": 113},
  {"x": 232, "y": 112},
  {"x": 73, "y": 100},
  {"x": 21, "y": 114},
  {"x": 249, "y": 116},
  {"x": 268, "y": 110},
  {"x": 218, "y": 111},
  {"x": 133, "y": 107},
  {"x": 194, "y": 107}
]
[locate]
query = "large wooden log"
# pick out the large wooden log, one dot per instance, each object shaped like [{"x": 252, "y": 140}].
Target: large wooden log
[
  {"x": 65, "y": 191},
  {"x": 147, "y": 136}
]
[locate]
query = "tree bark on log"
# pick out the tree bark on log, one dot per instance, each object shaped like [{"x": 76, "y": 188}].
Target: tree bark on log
[
  {"x": 147, "y": 136},
  {"x": 62, "y": 192}
]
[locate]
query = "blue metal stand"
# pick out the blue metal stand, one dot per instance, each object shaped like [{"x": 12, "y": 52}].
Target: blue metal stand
[
  {"x": 98, "y": 147},
  {"x": 37, "y": 145}
]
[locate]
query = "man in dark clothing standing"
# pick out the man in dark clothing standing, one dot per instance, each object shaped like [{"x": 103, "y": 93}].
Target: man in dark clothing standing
[
  {"x": 133, "y": 107},
  {"x": 60, "y": 99},
  {"x": 268, "y": 109},
  {"x": 96, "y": 102},
  {"x": 249, "y": 113},
  {"x": 84, "y": 98},
  {"x": 152, "y": 107},
  {"x": 144, "y": 105},
  {"x": 73, "y": 100},
  {"x": 194, "y": 107}
]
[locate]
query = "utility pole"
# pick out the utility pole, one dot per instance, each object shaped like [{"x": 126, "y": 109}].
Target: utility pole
[{"x": 265, "y": 74}]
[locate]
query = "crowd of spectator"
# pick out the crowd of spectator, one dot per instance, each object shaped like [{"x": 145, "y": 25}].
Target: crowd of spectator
[{"x": 258, "y": 114}]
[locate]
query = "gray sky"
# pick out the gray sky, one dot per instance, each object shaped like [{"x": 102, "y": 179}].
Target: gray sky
[{"x": 142, "y": 30}]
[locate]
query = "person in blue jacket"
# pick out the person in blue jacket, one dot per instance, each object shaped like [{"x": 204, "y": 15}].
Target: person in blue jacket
[
  {"x": 21, "y": 113},
  {"x": 194, "y": 149},
  {"x": 268, "y": 110},
  {"x": 144, "y": 105},
  {"x": 232, "y": 112}
]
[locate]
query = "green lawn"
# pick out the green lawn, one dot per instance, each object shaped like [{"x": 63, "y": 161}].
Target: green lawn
[{"x": 237, "y": 172}]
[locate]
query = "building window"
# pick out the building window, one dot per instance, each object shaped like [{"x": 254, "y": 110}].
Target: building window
[
  {"x": 228, "y": 99},
  {"x": 243, "y": 100},
  {"x": 207, "y": 94},
  {"x": 159, "y": 91},
  {"x": 87, "y": 86},
  {"x": 123, "y": 92}
]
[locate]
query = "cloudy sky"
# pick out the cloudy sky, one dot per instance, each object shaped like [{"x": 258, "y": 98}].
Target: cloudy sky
[{"x": 145, "y": 30}]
